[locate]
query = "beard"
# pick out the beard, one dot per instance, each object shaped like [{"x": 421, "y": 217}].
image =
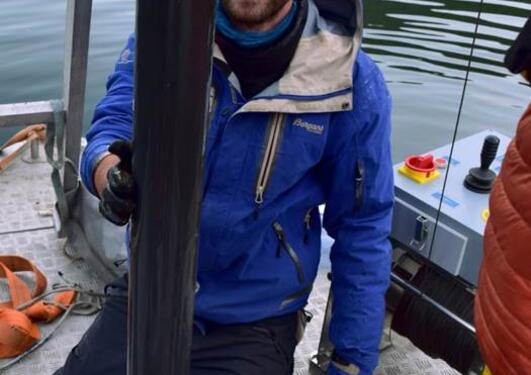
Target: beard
[{"x": 252, "y": 12}]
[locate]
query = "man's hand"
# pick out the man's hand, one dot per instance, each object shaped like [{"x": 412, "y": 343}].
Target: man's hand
[{"x": 115, "y": 184}]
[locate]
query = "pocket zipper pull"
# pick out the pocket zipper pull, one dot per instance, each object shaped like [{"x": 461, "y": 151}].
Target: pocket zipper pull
[
  {"x": 280, "y": 236},
  {"x": 359, "y": 177},
  {"x": 307, "y": 225},
  {"x": 279, "y": 231}
]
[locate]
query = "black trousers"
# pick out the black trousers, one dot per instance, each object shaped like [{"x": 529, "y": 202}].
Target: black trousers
[{"x": 261, "y": 348}]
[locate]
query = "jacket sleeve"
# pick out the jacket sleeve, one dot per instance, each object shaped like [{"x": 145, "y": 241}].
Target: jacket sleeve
[
  {"x": 113, "y": 117},
  {"x": 360, "y": 195}
]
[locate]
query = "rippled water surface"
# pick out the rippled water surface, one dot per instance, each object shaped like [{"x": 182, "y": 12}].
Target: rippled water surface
[{"x": 422, "y": 47}]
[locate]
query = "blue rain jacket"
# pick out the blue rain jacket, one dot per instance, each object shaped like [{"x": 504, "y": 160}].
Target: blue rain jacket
[{"x": 320, "y": 135}]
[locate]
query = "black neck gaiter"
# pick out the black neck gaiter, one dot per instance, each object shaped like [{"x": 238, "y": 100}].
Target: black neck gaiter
[{"x": 257, "y": 68}]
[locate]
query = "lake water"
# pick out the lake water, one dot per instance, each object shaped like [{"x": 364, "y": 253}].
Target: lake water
[{"x": 422, "y": 47}]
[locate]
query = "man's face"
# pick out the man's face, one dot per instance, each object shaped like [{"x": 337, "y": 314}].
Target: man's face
[{"x": 251, "y": 12}]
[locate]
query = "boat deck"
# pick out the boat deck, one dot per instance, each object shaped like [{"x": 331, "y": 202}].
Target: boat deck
[{"x": 26, "y": 228}]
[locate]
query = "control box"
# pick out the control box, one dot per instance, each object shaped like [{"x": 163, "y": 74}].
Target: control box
[{"x": 451, "y": 237}]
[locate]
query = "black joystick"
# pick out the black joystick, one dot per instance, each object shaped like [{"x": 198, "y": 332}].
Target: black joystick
[{"x": 480, "y": 180}]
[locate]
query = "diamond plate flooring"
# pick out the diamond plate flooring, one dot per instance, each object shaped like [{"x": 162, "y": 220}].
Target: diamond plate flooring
[
  {"x": 400, "y": 356},
  {"x": 26, "y": 200}
]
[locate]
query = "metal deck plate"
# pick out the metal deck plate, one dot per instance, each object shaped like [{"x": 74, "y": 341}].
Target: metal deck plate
[{"x": 26, "y": 199}]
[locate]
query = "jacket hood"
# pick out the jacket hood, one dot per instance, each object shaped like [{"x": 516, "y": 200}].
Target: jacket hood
[
  {"x": 320, "y": 75},
  {"x": 344, "y": 12}
]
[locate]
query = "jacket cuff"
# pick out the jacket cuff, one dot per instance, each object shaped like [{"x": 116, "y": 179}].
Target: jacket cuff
[{"x": 90, "y": 162}]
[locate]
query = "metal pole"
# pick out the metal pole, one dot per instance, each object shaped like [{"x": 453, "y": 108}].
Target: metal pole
[
  {"x": 23, "y": 114},
  {"x": 321, "y": 360},
  {"x": 173, "y": 65},
  {"x": 77, "y": 33},
  {"x": 34, "y": 146},
  {"x": 420, "y": 294}
]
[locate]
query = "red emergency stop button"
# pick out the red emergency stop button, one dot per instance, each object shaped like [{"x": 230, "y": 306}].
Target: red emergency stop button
[{"x": 420, "y": 168}]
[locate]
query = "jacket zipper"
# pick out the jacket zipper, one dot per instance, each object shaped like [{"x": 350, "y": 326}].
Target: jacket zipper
[
  {"x": 272, "y": 144},
  {"x": 283, "y": 243},
  {"x": 307, "y": 225},
  {"x": 360, "y": 182}
]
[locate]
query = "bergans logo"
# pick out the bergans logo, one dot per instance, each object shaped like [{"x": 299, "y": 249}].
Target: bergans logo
[{"x": 312, "y": 128}]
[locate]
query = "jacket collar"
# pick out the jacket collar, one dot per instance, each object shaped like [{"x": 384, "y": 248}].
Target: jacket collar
[{"x": 320, "y": 75}]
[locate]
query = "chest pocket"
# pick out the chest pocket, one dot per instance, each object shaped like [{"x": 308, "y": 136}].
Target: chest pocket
[{"x": 293, "y": 145}]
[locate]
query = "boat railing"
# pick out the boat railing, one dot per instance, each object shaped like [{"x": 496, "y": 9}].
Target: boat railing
[{"x": 77, "y": 35}]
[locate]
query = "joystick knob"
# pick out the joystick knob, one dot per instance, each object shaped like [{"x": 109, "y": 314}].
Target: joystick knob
[{"x": 480, "y": 180}]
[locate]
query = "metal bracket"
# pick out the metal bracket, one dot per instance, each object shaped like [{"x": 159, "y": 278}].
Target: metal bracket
[
  {"x": 422, "y": 232},
  {"x": 321, "y": 360},
  {"x": 23, "y": 114}
]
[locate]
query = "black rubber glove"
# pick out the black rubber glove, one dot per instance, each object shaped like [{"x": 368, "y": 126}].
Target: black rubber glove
[{"x": 118, "y": 200}]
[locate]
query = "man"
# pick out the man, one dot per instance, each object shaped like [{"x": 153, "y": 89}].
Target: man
[
  {"x": 300, "y": 118},
  {"x": 503, "y": 301}
]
